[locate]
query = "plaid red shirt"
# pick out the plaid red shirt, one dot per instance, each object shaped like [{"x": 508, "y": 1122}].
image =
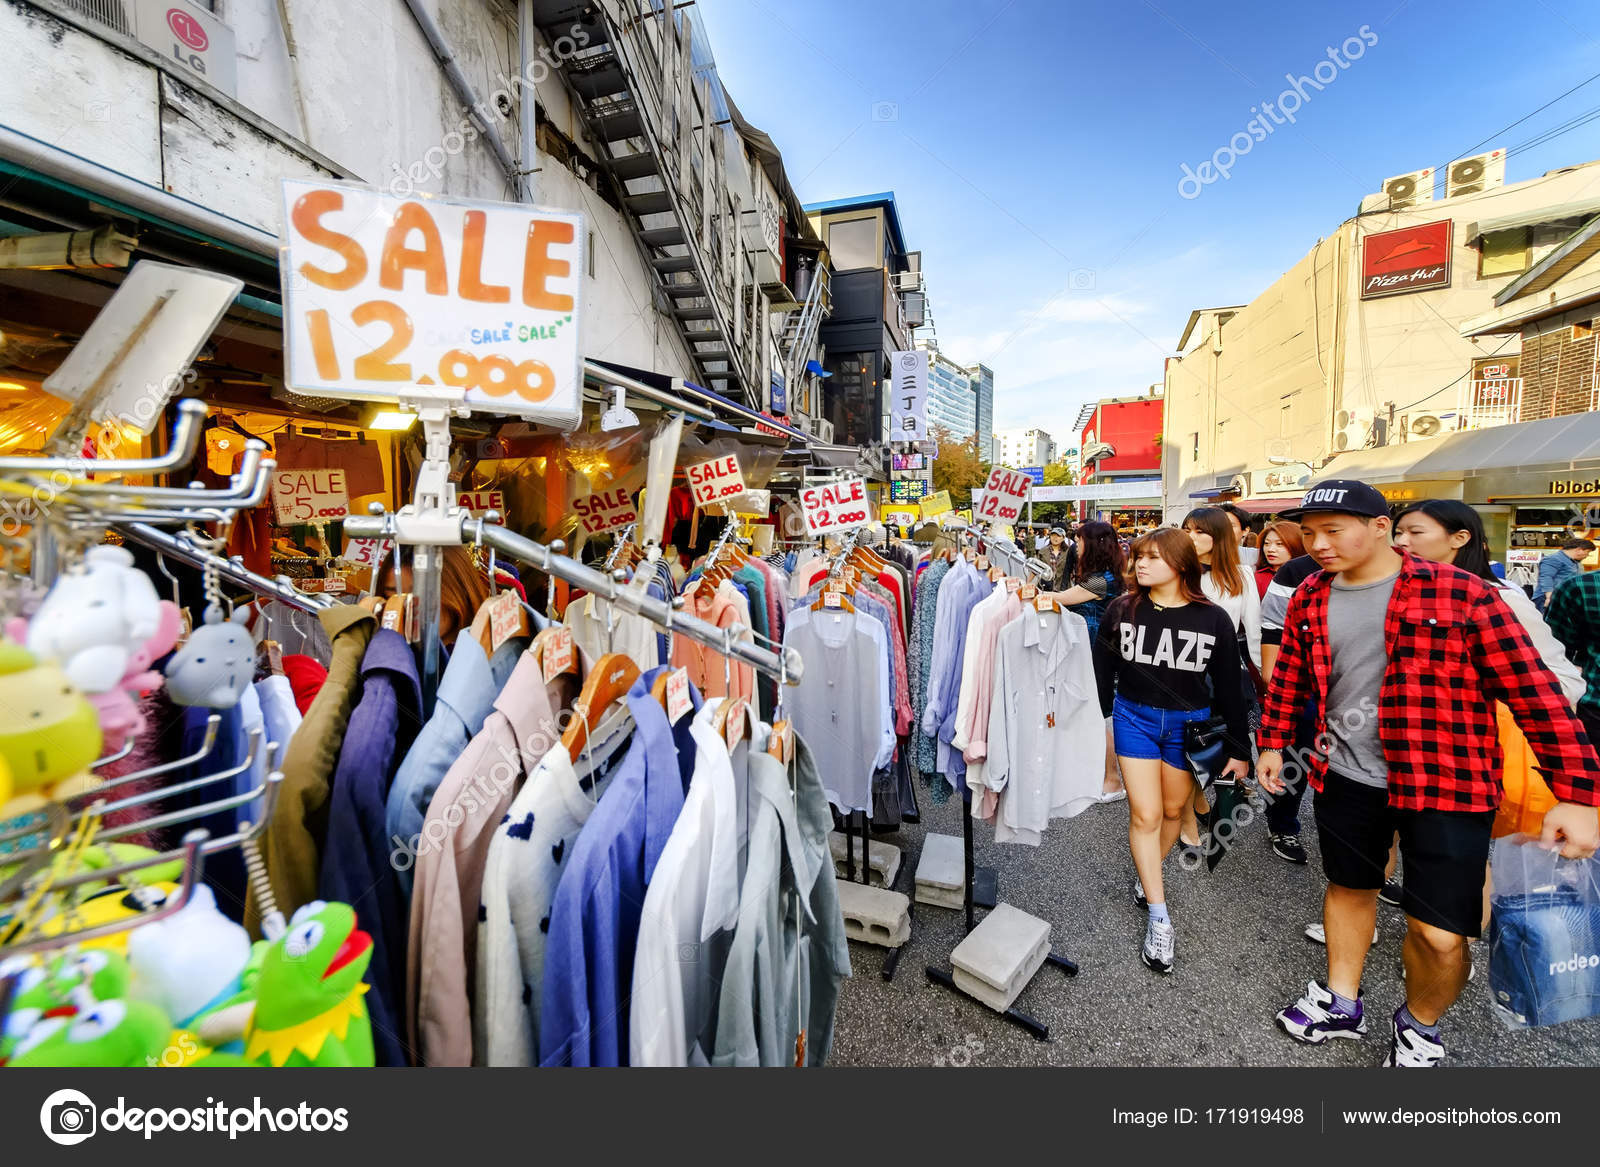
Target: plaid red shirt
[{"x": 1455, "y": 649}]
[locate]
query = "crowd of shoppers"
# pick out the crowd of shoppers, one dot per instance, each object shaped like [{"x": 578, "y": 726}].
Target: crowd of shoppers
[{"x": 1383, "y": 662}]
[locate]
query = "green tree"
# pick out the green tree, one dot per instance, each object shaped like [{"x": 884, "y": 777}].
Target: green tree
[
  {"x": 1055, "y": 474},
  {"x": 958, "y": 468}
]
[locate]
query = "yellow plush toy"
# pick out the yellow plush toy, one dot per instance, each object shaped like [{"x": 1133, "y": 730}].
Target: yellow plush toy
[{"x": 49, "y": 734}]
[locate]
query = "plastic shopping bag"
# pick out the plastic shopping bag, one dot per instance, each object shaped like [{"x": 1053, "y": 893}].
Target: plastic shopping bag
[{"x": 1544, "y": 935}]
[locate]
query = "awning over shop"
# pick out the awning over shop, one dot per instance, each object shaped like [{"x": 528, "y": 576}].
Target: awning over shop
[
  {"x": 639, "y": 383},
  {"x": 731, "y": 408},
  {"x": 1267, "y": 506},
  {"x": 1558, "y": 444}
]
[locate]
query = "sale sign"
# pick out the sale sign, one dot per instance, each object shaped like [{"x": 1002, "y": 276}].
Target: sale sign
[
  {"x": 475, "y": 502},
  {"x": 605, "y": 510},
  {"x": 838, "y": 506},
  {"x": 385, "y": 296},
  {"x": 366, "y": 552},
  {"x": 714, "y": 481},
  {"x": 309, "y": 496},
  {"x": 1004, "y": 495}
]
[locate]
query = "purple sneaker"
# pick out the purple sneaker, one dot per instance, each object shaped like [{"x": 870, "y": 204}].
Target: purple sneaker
[
  {"x": 1314, "y": 1018},
  {"x": 1411, "y": 1048}
]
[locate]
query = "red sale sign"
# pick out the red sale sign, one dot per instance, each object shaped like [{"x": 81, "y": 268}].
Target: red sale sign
[
  {"x": 605, "y": 510},
  {"x": 713, "y": 481},
  {"x": 838, "y": 506},
  {"x": 1004, "y": 495}
]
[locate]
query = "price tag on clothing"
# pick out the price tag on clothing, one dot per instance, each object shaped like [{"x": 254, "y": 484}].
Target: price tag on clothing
[
  {"x": 309, "y": 496},
  {"x": 833, "y": 600},
  {"x": 1013, "y": 584},
  {"x": 678, "y": 702},
  {"x": 1004, "y": 495},
  {"x": 714, "y": 481},
  {"x": 503, "y": 621},
  {"x": 605, "y": 510},
  {"x": 557, "y": 653},
  {"x": 838, "y": 506},
  {"x": 1027, "y": 593}
]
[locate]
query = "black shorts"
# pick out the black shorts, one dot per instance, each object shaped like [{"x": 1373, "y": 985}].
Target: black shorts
[{"x": 1445, "y": 852}]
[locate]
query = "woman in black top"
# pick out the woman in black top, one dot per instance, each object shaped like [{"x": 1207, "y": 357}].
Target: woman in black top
[{"x": 1164, "y": 656}]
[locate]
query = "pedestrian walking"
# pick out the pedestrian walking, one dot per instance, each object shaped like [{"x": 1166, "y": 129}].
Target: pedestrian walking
[
  {"x": 1216, "y": 541},
  {"x": 1165, "y": 655},
  {"x": 1574, "y": 617},
  {"x": 1558, "y": 567},
  {"x": 1405, "y": 658},
  {"x": 1280, "y": 542},
  {"x": 1090, "y": 578},
  {"x": 1057, "y": 555}
]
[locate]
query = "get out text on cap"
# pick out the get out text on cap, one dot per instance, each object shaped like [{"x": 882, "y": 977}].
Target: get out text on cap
[{"x": 1343, "y": 496}]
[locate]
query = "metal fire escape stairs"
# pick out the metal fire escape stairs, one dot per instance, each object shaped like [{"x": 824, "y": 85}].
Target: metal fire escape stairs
[
  {"x": 801, "y": 328},
  {"x": 634, "y": 89}
]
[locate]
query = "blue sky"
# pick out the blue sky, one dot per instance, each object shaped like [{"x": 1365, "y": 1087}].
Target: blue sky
[{"x": 1035, "y": 148}]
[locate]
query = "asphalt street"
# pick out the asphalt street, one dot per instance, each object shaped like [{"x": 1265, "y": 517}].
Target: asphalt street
[{"x": 1241, "y": 957}]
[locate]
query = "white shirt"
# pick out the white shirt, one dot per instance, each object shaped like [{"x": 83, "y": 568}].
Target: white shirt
[
  {"x": 1550, "y": 650},
  {"x": 1245, "y": 608},
  {"x": 526, "y": 858},
  {"x": 1044, "y": 671},
  {"x": 983, "y": 626},
  {"x": 693, "y": 895},
  {"x": 632, "y": 635}
]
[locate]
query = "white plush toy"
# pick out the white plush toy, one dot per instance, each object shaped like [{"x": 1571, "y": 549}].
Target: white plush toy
[
  {"x": 93, "y": 621},
  {"x": 215, "y": 665},
  {"x": 188, "y": 961}
]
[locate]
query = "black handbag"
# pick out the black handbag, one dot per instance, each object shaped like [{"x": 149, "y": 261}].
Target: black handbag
[{"x": 1205, "y": 746}]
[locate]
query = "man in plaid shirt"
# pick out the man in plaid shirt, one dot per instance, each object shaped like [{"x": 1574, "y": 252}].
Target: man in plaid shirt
[
  {"x": 1405, "y": 659},
  {"x": 1574, "y": 617}
]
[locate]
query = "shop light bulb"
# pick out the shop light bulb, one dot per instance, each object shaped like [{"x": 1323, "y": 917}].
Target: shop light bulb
[
  {"x": 12, "y": 387},
  {"x": 392, "y": 419}
]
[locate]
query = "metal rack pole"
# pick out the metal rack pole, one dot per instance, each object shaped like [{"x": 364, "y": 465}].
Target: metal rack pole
[{"x": 180, "y": 548}]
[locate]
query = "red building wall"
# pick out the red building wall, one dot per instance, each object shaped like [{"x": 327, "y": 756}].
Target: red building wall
[{"x": 1132, "y": 428}]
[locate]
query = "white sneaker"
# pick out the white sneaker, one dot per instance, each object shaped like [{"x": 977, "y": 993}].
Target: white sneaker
[
  {"x": 1316, "y": 933},
  {"x": 1138, "y": 894},
  {"x": 1160, "y": 945}
]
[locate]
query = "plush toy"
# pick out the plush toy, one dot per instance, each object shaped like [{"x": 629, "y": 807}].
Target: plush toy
[
  {"x": 48, "y": 992},
  {"x": 93, "y": 621},
  {"x": 310, "y": 1007},
  {"x": 49, "y": 733},
  {"x": 216, "y": 665},
  {"x": 189, "y": 961}
]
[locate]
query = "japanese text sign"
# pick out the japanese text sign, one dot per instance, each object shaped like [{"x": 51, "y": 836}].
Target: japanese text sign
[
  {"x": 908, "y": 397},
  {"x": 383, "y": 295}
]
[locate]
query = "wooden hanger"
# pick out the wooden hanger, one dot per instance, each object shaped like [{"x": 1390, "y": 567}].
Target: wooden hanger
[
  {"x": 1043, "y": 603},
  {"x": 841, "y": 604},
  {"x": 781, "y": 744},
  {"x": 609, "y": 681},
  {"x": 483, "y": 621},
  {"x": 730, "y": 720}
]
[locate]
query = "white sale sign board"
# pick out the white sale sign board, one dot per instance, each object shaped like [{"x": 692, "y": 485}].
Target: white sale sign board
[
  {"x": 838, "y": 506},
  {"x": 385, "y": 296},
  {"x": 1004, "y": 495}
]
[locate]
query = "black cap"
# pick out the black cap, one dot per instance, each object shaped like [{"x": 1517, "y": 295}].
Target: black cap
[{"x": 1343, "y": 496}]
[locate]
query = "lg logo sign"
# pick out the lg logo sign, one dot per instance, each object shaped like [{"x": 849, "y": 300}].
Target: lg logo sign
[{"x": 187, "y": 29}]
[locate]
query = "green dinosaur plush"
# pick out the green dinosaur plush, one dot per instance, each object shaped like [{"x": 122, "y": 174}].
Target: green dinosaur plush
[{"x": 310, "y": 998}]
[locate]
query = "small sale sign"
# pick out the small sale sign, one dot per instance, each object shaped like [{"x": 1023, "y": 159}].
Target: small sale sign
[
  {"x": 366, "y": 552},
  {"x": 838, "y": 506},
  {"x": 309, "y": 496},
  {"x": 475, "y": 502},
  {"x": 605, "y": 510},
  {"x": 1004, "y": 495},
  {"x": 715, "y": 480}
]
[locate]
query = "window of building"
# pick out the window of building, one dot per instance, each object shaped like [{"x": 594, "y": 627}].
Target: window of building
[
  {"x": 854, "y": 243},
  {"x": 1582, "y": 329},
  {"x": 1506, "y": 253}
]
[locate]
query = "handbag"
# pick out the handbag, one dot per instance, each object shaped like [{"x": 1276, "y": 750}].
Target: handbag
[{"x": 1205, "y": 747}]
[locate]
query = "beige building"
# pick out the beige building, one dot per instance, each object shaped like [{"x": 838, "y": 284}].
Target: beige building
[{"x": 1360, "y": 344}]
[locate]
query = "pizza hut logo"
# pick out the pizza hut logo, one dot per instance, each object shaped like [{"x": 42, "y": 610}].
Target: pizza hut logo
[{"x": 187, "y": 29}]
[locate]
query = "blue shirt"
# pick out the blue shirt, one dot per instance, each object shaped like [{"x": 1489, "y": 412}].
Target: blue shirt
[
  {"x": 1554, "y": 570},
  {"x": 467, "y": 690},
  {"x": 594, "y": 921},
  {"x": 355, "y": 863}
]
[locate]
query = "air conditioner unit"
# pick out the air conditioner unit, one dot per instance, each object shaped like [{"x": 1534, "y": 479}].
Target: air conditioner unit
[
  {"x": 1423, "y": 425},
  {"x": 1474, "y": 175},
  {"x": 1406, "y": 189},
  {"x": 822, "y": 430},
  {"x": 1352, "y": 429},
  {"x": 1277, "y": 448}
]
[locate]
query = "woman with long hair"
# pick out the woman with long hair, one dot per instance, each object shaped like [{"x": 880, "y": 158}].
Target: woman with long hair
[
  {"x": 1089, "y": 579},
  {"x": 1162, "y": 653},
  {"x": 1227, "y": 584},
  {"x": 1280, "y": 542}
]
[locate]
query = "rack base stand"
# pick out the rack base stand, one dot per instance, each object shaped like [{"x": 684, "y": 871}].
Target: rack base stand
[{"x": 998, "y": 957}]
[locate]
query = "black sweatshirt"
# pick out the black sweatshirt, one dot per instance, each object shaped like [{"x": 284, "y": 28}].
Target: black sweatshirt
[{"x": 1174, "y": 658}]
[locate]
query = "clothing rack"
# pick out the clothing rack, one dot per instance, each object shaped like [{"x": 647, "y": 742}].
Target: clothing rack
[
  {"x": 180, "y": 546},
  {"x": 782, "y": 663}
]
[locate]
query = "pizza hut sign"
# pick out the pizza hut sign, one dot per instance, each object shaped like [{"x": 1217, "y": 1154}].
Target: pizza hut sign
[{"x": 1411, "y": 259}]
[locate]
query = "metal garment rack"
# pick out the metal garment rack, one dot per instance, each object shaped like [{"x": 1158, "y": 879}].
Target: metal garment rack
[
  {"x": 982, "y": 885},
  {"x": 179, "y": 546},
  {"x": 783, "y": 663}
]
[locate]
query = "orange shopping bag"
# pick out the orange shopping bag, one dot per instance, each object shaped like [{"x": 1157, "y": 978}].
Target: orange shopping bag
[{"x": 1527, "y": 796}]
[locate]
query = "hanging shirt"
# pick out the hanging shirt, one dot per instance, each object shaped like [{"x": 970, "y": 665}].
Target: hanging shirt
[
  {"x": 279, "y": 713},
  {"x": 594, "y": 920},
  {"x": 292, "y": 844},
  {"x": 689, "y": 912},
  {"x": 631, "y": 635},
  {"x": 529, "y": 851},
  {"x": 454, "y": 848},
  {"x": 977, "y": 679},
  {"x": 710, "y": 671},
  {"x": 782, "y": 973},
  {"x": 843, "y": 703},
  {"x": 355, "y": 866},
  {"x": 466, "y": 696},
  {"x": 876, "y": 602},
  {"x": 1046, "y": 735},
  {"x": 920, "y": 651}
]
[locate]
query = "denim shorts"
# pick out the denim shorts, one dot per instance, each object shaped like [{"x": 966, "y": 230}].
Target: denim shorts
[{"x": 1142, "y": 731}]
